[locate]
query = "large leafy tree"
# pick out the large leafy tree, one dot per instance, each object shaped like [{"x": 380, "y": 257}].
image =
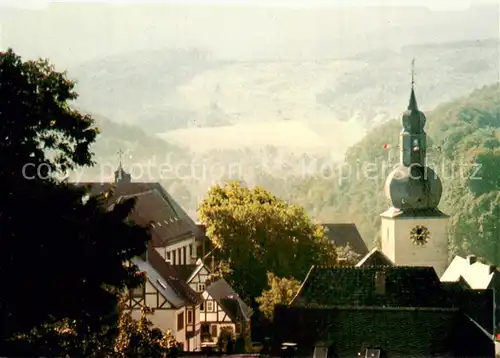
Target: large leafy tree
[
  {"x": 254, "y": 233},
  {"x": 281, "y": 290},
  {"x": 61, "y": 257}
]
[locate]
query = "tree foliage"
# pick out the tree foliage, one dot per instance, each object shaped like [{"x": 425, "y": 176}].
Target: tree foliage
[
  {"x": 225, "y": 340},
  {"x": 57, "y": 249},
  {"x": 131, "y": 338},
  {"x": 281, "y": 291},
  {"x": 254, "y": 232},
  {"x": 347, "y": 256},
  {"x": 141, "y": 339}
]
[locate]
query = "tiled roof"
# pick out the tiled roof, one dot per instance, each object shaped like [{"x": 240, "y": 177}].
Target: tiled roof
[
  {"x": 185, "y": 271},
  {"x": 343, "y": 234},
  {"x": 398, "y": 332},
  {"x": 360, "y": 286},
  {"x": 375, "y": 258},
  {"x": 172, "y": 278},
  {"x": 476, "y": 274},
  {"x": 230, "y": 301},
  {"x": 154, "y": 207}
]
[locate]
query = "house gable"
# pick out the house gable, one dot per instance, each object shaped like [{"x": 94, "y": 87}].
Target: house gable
[
  {"x": 375, "y": 258},
  {"x": 198, "y": 278},
  {"x": 214, "y": 311}
]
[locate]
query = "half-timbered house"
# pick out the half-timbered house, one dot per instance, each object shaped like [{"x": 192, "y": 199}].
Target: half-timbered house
[
  {"x": 222, "y": 307},
  {"x": 176, "y": 306}
]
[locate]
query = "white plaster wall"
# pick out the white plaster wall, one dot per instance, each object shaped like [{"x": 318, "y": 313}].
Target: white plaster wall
[{"x": 398, "y": 246}]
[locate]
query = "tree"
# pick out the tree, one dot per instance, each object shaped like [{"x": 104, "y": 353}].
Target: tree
[
  {"x": 65, "y": 253},
  {"x": 280, "y": 291},
  {"x": 134, "y": 338},
  {"x": 225, "y": 341},
  {"x": 140, "y": 339},
  {"x": 254, "y": 232},
  {"x": 347, "y": 256}
]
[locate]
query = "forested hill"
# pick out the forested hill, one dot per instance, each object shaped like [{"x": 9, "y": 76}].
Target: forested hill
[{"x": 464, "y": 148}]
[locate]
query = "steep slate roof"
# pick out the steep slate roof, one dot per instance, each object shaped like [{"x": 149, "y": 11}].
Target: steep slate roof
[
  {"x": 476, "y": 274},
  {"x": 230, "y": 301},
  {"x": 154, "y": 207},
  {"x": 185, "y": 271},
  {"x": 176, "y": 291},
  {"x": 375, "y": 258},
  {"x": 343, "y": 234},
  {"x": 356, "y": 286}
]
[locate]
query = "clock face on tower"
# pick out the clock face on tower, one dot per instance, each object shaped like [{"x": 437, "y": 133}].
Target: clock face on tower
[{"x": 420, "y": 235}]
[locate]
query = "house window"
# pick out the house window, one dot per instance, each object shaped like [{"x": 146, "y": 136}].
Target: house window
[
  {"x": 179, "y": 257},
  {"x": 214, "y": 330},
  {"x": 190, "y": 252},
  {"x": 180, "y": 321},
  {"x": 174, "y": 261},
  {"x": 210, "y": 306},
  {"x": 202, "y": 306},
  {"x": 184, "y": 255},
  {"x": 201, "y": 287},
  {"x": 380, "y": 283},
  {"x": 190, "y": 317},
  {"x": 168, "y": 256}
]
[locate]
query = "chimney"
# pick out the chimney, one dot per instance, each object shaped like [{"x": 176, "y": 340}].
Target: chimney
[
  {"x": 492, "y": 269},
  {"x": 471, "y": 259}
]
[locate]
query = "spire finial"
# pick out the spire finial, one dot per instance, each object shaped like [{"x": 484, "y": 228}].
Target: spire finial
[
  {"x": 413, "y": 101},
  {"x": 413, "y": 72},
  {"x": 120, "y": 156}
]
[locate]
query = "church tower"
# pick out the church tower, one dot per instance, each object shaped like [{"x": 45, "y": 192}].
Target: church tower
[
  {"x": 121, "y": 176},
  {"x": 414, "y": 230}
]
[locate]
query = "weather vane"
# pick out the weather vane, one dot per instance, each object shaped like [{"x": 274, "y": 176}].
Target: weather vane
[{"x": 412, "y": 72}]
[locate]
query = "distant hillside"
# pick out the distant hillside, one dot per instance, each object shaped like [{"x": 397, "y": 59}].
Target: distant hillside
[
  {"x": 140, "y": 150},
  {"x": 163, "y": 90},
  {"x": 464, "y": 137}
]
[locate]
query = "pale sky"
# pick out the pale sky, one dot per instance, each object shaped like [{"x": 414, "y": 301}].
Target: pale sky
[{"x": 433, "y": 4}]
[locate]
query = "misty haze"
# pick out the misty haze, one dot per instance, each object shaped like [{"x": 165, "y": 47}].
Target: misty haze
[{"x": 293, "y": 178}]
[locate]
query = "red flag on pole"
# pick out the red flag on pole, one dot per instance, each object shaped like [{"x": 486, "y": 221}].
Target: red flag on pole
[{"x": 387, "y": 146}]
